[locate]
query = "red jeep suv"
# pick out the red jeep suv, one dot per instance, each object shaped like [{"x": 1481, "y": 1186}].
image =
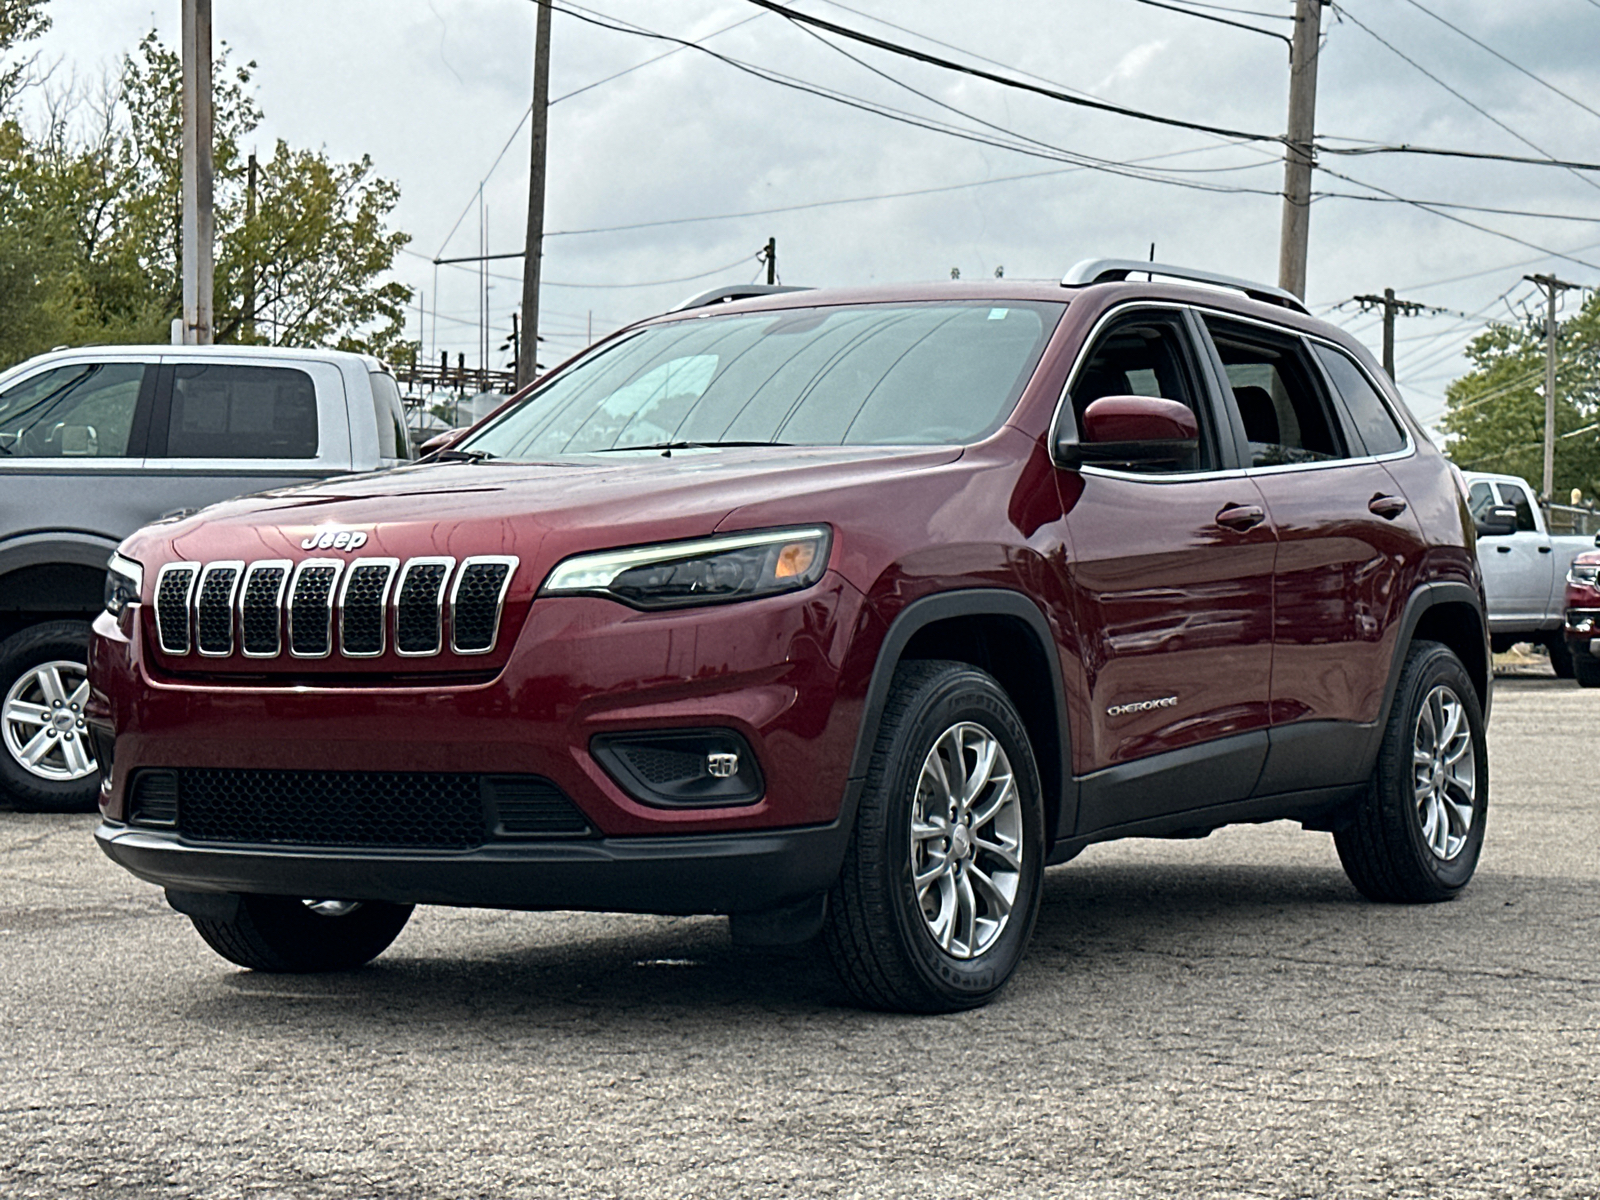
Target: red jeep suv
[{"x": 839, "y": 612}]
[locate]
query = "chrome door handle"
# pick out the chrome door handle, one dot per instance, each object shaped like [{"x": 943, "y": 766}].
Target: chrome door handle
[
  {"x": 1241, "y": 517},
  {"x": 1387, "y": 507}
]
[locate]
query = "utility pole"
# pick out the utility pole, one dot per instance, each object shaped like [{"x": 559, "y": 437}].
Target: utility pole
[
  {"x": 1296, "y": 229},
  {"x": 771, "y": 256},
  {"x": 250, "y": 243},
  {"x": 1550, "y": 285},
  {"x": 533, "y": 249},
  {"x": 1390, "y": 306},
  {"x": 198, "y": 270}
]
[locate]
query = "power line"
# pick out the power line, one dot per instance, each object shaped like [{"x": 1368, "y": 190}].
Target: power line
[
  {"x": 1545, "y": 83},
  {"x": 1483, "y": 112},
  {"x": 1424, "y": 207},
  {"x": 1110, "y": 166},
  {"x": 1189, "y": 12},
  {"x": 527, "y": 112},
  {"x": 1018, "y": 84}
]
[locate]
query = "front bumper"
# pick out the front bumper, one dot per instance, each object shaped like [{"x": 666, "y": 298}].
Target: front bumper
[{"x": 685, "y": 874}]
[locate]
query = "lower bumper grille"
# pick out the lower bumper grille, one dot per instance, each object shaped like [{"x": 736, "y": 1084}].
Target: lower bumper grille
[{"x": 397, "y": 810}]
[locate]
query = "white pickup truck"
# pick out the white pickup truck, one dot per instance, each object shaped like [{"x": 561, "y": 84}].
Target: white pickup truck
[{"x": 1524, "y": 567}]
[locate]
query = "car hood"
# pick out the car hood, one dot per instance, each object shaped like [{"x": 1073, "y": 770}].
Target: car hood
[{"x": 539, "y": 511}]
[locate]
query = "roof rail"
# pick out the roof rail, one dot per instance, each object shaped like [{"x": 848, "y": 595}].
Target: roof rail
[
  {"x": 1103, "y": 270},
  {"x": 726, "y": 295}
]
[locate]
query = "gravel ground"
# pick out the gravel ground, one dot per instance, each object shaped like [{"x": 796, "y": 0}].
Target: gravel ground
[{"x": 1199, "y": 1019}]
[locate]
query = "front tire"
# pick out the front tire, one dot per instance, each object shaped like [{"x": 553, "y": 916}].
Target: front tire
[
  {"x": 1585, "y": 668},
  {"x": 940, "y": 885},
  {"x": 47, "y": 763},
  {"x": 287, "y": 934},
  {"x": 1417, "y": 833}
]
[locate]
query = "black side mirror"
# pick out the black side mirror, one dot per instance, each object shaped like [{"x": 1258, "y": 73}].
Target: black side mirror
[
  {"x": 1498, "y": 521},
  {"x": 1131, "y": 429}
]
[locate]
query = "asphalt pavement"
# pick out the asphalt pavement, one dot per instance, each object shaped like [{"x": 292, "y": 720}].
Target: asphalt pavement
[{"x": 1213, "y": 1018}]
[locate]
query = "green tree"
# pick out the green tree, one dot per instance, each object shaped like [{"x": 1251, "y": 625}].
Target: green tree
[
  {"x": 105, "y": 172},
  {"x": 20, "y": 21},
  {"x": 1494, "y": 415}
]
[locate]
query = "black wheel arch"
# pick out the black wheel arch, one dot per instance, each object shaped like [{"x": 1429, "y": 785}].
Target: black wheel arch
[
  {"x": 1002, "y": 632},
  {"x": 1452, "y": 613}
]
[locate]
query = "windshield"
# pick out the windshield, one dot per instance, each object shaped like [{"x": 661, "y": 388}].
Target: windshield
[{"x": 874, "y": 375}]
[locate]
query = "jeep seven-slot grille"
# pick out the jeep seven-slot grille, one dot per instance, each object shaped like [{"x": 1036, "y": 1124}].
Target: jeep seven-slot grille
[
  {"x": 362, "y": 610},
  {"x": 311, "y": 609},
  {"x": 322, "y": 606},
  {"x": 213, "y": 627},
  {"x": 260, "y": 629},
  {"x": 401, "y": 810},
  {"x": 173, "y": 590},
  {"x": 417, "y": 625},
  {"x": 475, "y": 605}
]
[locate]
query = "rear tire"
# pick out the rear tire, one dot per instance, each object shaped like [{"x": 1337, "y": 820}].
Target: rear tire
[
  {"x": 940, "y": 885},
  {"x": 47, "y": 763},
  {"x": 286, "y": 934},
  {"x": 1417, "y": 833}
]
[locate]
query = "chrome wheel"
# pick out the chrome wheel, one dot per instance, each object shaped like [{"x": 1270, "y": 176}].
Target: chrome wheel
[
  {"x": 1444, "y": 773},
  {"x": 43, "y": 721},
  {"x": 966, "y": 840}
]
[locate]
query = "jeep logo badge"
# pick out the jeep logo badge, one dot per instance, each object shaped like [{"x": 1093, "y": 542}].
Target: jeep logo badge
[{"x": 335, "y": 539}]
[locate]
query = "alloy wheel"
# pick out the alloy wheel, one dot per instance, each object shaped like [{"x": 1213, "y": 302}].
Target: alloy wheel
[
  {"x": 43, "y": 721},
  {"x": 1444, "y": 773},
  {"x": 966, "y": 840}
]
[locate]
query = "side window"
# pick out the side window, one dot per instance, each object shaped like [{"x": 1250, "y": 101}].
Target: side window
[
  {"x": 81, "y": 411},
  {"x": 1480, "y": 499},
  {"x": 1286, "y": 416},
  {"x": 1145, "y": 356},
  {"x": 1372, "y": 418},
  {"x": 1511, "y": 494},
  {"x": 226, "y": 411},
  {"x": 391, "y": 416}
]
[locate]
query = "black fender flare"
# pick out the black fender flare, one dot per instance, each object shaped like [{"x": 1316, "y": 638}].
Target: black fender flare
[
  {"x": 968, "y": 602},
  {"x": 1426, "y": 596}
]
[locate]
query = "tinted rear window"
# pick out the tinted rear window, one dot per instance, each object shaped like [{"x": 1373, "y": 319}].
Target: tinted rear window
[
  {"x": 877, "y": 374},
  {"x": 225, "y": 411}
]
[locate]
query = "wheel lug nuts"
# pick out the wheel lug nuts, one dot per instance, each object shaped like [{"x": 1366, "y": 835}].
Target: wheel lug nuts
[
  {"x": 49, "y": 733},
  {"x": 55, "y": 704}
]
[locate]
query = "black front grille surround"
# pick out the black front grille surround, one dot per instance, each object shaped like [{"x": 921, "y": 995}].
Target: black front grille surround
[
  {"x": 388, "y": 810},
  {"x": 358, "y": 608}
]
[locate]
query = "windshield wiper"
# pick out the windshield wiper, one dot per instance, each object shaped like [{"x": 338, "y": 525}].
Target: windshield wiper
[
  {"x": 450, "y": 454},
  {"x": 671, "y": 446}
]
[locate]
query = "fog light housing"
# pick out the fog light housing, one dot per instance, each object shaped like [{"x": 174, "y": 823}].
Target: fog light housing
[{"x": 681, "y": 768}]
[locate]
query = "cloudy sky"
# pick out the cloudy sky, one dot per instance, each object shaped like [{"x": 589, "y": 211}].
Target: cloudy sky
[{"x": 703, "y": 160}]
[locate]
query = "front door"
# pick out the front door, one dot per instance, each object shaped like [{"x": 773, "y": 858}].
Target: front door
[{"x": 1172, "y": 570}]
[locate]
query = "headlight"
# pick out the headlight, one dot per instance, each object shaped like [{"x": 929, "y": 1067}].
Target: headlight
[
  {"x": 705, "y": 571},
  {"x": 1583, "y": 574},
  {"x": 124, "y": 582}
]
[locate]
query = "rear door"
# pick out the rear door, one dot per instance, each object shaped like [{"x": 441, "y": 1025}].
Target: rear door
[
  {"x": 1348, "y": 546},
  {"x": 225, "y": 426},
  {"x": 1172, "y": 573}
]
